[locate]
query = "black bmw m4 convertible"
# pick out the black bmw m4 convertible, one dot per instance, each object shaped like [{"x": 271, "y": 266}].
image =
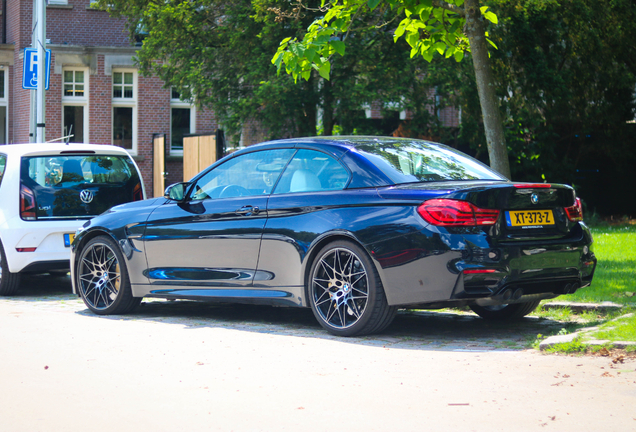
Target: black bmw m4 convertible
[{"x": 353, "y": 227}]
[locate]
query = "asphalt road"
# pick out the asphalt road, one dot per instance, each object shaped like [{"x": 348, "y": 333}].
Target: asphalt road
[{"x": 190, "y": 366}]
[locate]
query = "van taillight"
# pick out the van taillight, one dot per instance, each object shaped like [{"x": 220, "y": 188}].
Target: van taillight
[
  {"x": 27, "y": 204},
  {"x": 575, "y": 212},
  {"x": 138, "y": 193},
  {"x": 450, "y": 212}
]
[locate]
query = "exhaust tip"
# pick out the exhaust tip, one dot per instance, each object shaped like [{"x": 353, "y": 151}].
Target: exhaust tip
[
  {"x": 574, "y": 287},
  {"x": 506, "y": 294},
  {"x": 517, "y": 294}
]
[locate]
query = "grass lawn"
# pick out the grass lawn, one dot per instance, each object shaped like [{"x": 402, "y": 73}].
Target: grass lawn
[
  {"x": 614, "y": 281},
  {"x": 615, "y": 275}
]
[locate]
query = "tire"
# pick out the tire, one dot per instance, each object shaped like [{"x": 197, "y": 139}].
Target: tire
[
  {"x": 507, "y": 311},
  {"x": 346, "y": 293},
  {"x": 9, "y": 282},
  {"x": 102, "y": 278}
]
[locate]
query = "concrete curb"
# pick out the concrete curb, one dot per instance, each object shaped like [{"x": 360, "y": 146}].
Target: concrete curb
[
  {"x": 560, "y": 339},
  {"x": 584, "y": 307}
]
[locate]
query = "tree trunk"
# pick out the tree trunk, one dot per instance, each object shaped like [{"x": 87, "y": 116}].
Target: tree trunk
[
  {"x": 328, "y": 120},
  {"x": 493, "y": 125},
  {"x": 307, "y": 118}
]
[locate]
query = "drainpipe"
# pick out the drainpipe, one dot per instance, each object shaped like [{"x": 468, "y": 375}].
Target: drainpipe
[{"x": 4, "y": 21}]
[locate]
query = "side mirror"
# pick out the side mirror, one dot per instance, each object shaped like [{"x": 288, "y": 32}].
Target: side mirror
[{"x": 176, "y": 192}]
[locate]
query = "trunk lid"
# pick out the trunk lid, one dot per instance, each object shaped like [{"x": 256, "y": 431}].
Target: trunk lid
[{"x": 527, "y": 210}]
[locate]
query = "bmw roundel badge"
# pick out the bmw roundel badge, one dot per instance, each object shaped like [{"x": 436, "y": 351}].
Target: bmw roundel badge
[{"x": 534, "y": 198}]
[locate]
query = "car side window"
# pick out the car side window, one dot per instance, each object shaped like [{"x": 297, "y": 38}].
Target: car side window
[
  {"x": 312, "y": 171},
  {"x": 249, "y": 174}
]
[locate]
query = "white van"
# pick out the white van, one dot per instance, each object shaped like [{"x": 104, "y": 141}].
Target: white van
[{"x": 47, "y": 191}]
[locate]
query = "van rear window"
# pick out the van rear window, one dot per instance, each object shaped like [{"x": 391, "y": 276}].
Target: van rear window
[{"x": 79, "y": 186}]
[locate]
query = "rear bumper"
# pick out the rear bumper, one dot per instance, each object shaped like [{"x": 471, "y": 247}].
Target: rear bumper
[
  {"x": 47, "y": 237},
  {"x": 486, "y": 274}
]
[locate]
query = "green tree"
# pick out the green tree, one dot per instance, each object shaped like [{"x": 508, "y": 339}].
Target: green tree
[
  {"x": 566, "y": 74},
  {"x": 216, "y": 54},
  {"x": 428, "y": 26}
]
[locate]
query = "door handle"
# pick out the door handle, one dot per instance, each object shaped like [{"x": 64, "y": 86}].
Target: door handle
[{"x": 247, "y": 210}]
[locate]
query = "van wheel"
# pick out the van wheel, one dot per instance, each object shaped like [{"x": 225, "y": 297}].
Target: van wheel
[{"x": 9, "y": 282}]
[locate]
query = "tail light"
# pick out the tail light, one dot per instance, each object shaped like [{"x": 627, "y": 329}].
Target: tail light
[
  {"x": 575, "y": 213},
  {"x": 137, "y": 193},
  {"x": 27, "y": 204},
  {"x": 450, "y": 212}
]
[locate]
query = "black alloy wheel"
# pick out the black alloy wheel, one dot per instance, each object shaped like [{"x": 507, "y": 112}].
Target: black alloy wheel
[
  {"x": 346, "y": 293},
  {"x": 102, "y": 278}
]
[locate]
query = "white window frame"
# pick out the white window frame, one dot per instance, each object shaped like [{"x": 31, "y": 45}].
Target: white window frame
[
  {"x": 77, "y": 100},
  {"x": 4, "y": 102},
  {"x": 178, "y": 103},
  {"x": 58, "y": 2},
  {"x": 123, "y": 102}
]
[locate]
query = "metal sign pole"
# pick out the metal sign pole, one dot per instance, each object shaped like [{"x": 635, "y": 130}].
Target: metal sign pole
[
  {"x": 40, "y": 92},
  {"x": 32, "y": 119}
]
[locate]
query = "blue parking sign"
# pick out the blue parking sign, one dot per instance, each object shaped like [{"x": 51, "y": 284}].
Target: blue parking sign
[{"x": 30, "y": 70}]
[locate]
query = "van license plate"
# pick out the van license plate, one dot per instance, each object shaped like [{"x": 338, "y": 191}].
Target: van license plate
[
  {"x": 68, "y": 239},
  {"x": 528, "y": 218}
]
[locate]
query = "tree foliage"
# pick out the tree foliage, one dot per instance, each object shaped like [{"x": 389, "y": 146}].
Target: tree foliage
[
  {"x": 566, "y": 77},
  {"x": 448, "y": 28},
  {"x": 217, "y": 53},
  {"x": 429, "y": 27}
]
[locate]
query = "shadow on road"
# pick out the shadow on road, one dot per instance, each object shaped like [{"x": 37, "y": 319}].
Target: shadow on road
[{"x": 448, "y": 329}]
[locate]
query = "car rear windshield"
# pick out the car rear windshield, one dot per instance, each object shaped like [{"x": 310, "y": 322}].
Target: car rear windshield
[
  {"x": 71, "y": 186},
  {"x": 416, "y": 161}
]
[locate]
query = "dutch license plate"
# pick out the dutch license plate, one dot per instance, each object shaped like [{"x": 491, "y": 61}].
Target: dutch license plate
[
  {"x": 527, "y": 218},
  {"x": 68, "y": 239}
]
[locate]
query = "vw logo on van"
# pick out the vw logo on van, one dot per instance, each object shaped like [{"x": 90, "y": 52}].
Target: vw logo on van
[{"x": 86, "y": 196}]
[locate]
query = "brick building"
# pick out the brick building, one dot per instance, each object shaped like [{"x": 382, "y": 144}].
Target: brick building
[{"x": 95, "y": 91}]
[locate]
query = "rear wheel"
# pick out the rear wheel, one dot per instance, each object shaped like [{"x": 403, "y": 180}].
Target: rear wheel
[
  {"x": 506, "y": 311},
  {"x": 9, "y": 282},
  {"x": 345, "y": 291},
  {"x": 102, "y": 278}
]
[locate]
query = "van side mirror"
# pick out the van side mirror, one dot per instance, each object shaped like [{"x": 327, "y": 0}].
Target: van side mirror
[{"x": 176, "y": 192}]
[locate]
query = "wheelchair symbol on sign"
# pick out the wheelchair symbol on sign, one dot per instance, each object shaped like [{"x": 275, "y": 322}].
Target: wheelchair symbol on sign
[{"x": 30, "y": 69}]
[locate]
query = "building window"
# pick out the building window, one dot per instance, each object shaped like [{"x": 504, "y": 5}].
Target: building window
[
  {"x": 123, "y": 121},
  {"x": 74, "y": 83},
  {"x": 125, "y": 109},
  {"x": 75, "y": 105},
  {"x": 4, "y": 106},
  {"x": 182, "y": 121},
  {"x": 123, "y": 85}
]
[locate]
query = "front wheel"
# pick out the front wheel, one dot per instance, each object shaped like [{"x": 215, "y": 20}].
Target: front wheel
[
  {"x": 345, "y": 291},
  {"x": 9, "y": 282},
  {"x": 506, "y": 311},
  {"x": 102, "y": 278}
]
